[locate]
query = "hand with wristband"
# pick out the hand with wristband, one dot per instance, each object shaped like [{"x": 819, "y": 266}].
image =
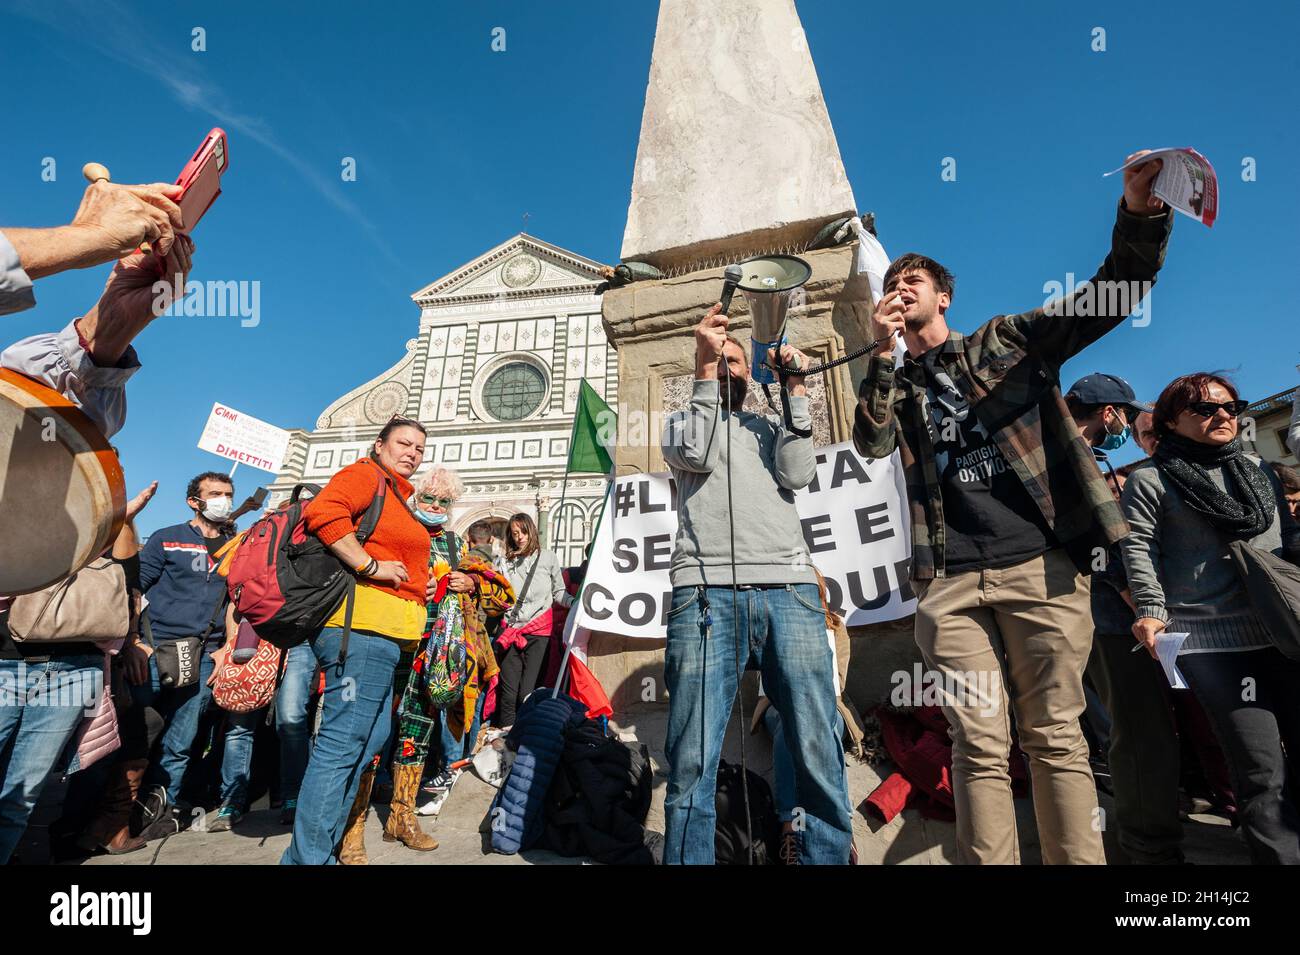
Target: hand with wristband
[{"x": 384, "y": 571}]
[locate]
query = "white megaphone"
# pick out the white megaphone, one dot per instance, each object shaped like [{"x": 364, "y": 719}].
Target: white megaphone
[{"x": 768, "y": 282}]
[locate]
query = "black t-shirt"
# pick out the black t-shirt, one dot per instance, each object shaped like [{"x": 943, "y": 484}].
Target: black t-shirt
[{"x": 989, "y": 518}]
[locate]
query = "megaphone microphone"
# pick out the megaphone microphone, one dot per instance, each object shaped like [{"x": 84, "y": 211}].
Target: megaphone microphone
[{"x": 730, "y": 279}]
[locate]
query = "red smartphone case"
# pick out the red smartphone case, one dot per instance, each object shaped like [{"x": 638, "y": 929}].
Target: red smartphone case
[{"x": 200, "y": 180}]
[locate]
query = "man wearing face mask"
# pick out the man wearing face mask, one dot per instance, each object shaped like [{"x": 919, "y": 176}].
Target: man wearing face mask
[
  {"x": 187, "y": 600},
  {"x": 1143, "y": 755}
]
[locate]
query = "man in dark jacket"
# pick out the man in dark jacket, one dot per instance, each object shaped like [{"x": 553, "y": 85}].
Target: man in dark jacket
[
  {"x": 187, "y": 599},
  {"x": 1008, "y": 510},
  {"x": 1143, "y": 755}
]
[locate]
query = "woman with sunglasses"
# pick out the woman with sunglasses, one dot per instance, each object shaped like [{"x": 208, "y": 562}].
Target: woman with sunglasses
[
  {"x": 1201, "y": 493},
  {"x": 387, "y": 614}
]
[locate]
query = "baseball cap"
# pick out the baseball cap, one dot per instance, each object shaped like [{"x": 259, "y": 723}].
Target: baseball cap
[{"x": 1102, "y": 389}]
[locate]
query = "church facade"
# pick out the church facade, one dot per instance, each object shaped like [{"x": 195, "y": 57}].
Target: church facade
[{"x": 503, "y": 343}]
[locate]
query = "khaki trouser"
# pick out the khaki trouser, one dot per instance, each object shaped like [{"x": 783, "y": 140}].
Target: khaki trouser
[{"x": 1028, "y": 627}]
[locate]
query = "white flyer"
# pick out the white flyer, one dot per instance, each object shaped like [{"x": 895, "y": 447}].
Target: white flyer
[{"x": 1186, "y": 181}]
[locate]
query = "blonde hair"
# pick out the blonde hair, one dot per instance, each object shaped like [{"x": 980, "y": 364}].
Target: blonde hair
[{"x": 441, "y": 482}]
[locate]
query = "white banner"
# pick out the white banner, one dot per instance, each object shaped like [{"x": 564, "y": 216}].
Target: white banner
[
  {"x": 855, "y": 526},
  {"x": 243, "y": 438}
]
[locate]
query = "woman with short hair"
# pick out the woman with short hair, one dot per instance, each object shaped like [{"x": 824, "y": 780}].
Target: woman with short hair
[
  {"x": 388, "y": 613},
  {"x": 1202, "y": 493},
  {"x": 538, "y": 582}
]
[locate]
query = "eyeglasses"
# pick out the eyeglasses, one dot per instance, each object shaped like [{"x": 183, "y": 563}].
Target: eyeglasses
[
  {"x": 443, "y": 502},
  {"x": 1208, "y": 409}
]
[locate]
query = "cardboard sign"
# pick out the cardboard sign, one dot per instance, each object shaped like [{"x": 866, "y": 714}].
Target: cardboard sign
[{"x": 243, "y": 438}]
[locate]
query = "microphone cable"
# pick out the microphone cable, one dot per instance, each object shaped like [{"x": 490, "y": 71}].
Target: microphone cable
[
  {"x": 828, "y": 365},
  {"x": 737, "y": 702}
]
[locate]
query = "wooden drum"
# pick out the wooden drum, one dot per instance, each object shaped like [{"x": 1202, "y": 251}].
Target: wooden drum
[{"x": 62, "y": 495}]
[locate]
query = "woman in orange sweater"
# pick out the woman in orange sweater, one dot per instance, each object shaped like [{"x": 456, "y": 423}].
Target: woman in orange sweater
[{"x": 388, "y": 614}]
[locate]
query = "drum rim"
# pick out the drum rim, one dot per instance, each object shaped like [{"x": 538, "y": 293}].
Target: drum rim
[{"x": 95, "y": 441}]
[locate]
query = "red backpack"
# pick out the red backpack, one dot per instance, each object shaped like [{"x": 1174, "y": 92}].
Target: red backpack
[{"x": 286, "y": 583}]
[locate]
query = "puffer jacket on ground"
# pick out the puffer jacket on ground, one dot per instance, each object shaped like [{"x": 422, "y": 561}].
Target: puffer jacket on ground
[
  {"x": 518, "y": 815},
  {"x": 599, "y": 798}
]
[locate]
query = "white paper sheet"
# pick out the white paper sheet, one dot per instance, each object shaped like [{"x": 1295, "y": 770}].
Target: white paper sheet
[{"x": 1167, "y": 647}]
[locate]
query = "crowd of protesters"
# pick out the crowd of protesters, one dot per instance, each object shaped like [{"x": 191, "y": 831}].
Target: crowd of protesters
[{"x": 1033, "y": 559}]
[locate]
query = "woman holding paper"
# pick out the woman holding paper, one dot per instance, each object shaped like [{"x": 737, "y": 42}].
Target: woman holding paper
[{"x": 1203, "y": 492}]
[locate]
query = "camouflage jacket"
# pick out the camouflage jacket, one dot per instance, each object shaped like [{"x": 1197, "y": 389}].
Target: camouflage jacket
[{"x": 1008, "y": 370}]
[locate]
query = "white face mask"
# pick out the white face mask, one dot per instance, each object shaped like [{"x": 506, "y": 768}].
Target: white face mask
[{"x": 218, "y": 508}]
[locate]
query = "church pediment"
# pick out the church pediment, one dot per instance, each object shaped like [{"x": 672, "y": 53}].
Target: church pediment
[{"x": 520, "y": 267}]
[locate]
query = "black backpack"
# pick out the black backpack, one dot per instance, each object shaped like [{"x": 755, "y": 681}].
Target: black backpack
[{"x": 731, "y": 841}]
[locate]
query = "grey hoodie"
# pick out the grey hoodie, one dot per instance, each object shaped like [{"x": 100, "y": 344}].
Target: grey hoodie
[{"x": 768, "y": 465}]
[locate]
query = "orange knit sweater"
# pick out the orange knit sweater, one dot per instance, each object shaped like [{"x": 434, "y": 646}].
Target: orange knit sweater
[{"x": 337, "y": 510}]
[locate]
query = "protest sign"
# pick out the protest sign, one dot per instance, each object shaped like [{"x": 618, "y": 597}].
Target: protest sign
[
  {"x": 855, "y": 528},
  {"x": 244, "y": 439}
]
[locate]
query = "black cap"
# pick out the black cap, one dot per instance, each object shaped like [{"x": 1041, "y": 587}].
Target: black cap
[{"x": 1102, "y": 389}]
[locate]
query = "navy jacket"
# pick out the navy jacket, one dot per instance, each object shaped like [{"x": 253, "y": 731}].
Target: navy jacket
[{"x": 181, "y": 583}]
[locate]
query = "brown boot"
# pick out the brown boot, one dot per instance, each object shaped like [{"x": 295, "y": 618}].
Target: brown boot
[
  {"x": 353, "y": 849},
  {"x": 402, "y": 825},
  {"x": 110, "y": 830}
]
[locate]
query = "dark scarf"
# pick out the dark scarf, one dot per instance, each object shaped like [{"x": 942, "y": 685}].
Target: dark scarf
[{"x": 1245, "y": 510}]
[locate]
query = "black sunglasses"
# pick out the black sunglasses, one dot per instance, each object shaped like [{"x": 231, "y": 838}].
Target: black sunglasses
[{"x": 1207, "y": 409}]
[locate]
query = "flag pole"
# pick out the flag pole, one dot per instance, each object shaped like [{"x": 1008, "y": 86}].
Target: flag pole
[{"x": 570, "y": 622}]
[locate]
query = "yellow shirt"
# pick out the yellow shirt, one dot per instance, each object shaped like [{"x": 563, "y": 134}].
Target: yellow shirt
[{"x": 383, "y": 614}]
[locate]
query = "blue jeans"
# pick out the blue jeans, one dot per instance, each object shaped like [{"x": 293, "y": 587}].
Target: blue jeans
[
  {"x": 291, "y": 706},
  {"x": 453, "y": 749},
  {"x": 355, "y": 722},
  {"x": 40, "y": 707},
  {"x": 181, "y": 710},
  {"x": 783, "y": 635},
  {"x": 783, "y": 784}
]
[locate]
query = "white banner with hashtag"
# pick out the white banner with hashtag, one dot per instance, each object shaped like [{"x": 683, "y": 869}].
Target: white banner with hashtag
[{"x": 855, "y": 527}]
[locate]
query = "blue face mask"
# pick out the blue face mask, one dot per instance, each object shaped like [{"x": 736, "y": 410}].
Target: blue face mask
[
  {"x": 1113, "y": 442},
  {"x": 430, "y": 519}
]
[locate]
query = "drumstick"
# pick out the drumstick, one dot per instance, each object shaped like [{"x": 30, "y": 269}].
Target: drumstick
[{"x": 95, "y": 171}]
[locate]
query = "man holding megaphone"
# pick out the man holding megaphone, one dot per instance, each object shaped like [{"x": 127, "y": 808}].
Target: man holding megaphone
[
  {"x": 1009, "y": 515},
  {"x": 745, "y": 596}
]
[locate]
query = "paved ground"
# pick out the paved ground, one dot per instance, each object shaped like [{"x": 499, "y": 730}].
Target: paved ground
[{"x": 908, "y": 839}]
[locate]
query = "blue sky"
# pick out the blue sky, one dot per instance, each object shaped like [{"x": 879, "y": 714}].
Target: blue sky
[{"x": 455, "y": 143}]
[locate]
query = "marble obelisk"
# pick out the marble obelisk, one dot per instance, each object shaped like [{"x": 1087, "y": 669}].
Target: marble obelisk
[{"x": 737, "y": 155}]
